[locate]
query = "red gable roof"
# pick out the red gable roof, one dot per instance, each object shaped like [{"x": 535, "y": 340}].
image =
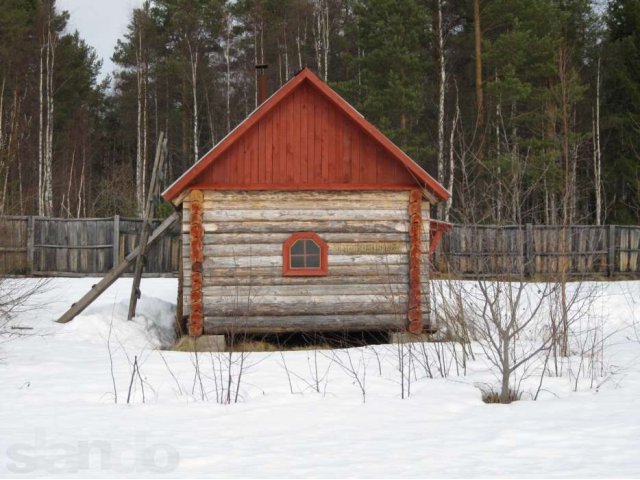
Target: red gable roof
[{"x": 305, "y": 136}]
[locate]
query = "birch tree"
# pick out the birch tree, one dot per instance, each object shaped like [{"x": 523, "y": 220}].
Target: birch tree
[
  {"x": 441, "y": 87},
  {"x": 597, "y": 152},
  {"x": 322, "y": 36},
  {"x": 46, "y": 116},
  {"x": 142, "y": 123}
]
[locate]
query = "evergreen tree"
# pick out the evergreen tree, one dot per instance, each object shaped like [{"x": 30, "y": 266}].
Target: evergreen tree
[{"x": 621, "y": 107}]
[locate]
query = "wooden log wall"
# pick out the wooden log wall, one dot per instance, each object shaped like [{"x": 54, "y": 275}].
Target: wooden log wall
[{"x": 243, "y": 287}]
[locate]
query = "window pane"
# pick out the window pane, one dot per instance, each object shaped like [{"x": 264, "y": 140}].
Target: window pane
[
  {"x": 297, "y": 248},
  {"x": 312, "y": 247},
  {"x": 313, "y": 261},
  {"x": 297, "y": 261}
]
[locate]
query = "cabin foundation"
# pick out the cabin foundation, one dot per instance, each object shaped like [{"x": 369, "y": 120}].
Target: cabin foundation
[
  {"x": 202, "y": 343},
  {"x": 408, "y": 337}
]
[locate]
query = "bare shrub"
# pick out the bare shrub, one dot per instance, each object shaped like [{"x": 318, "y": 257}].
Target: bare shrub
[
  {"x": 509, "y": 321},
  {"x": 16, "y": 298},
  {"x": 356, "y": 370}
]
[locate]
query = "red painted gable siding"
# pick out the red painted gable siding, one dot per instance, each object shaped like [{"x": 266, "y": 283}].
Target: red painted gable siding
[{"x": 305, "y": 140}]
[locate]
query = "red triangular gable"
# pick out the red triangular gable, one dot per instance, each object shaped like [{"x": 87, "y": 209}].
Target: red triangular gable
[{"x": 305, "y": 136}]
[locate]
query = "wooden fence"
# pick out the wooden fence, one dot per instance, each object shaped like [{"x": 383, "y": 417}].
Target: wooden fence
[
  {"x": 54, "y": 246},
  {"x": 539, "y": 250},
  {"x": 57, "y": 246}
]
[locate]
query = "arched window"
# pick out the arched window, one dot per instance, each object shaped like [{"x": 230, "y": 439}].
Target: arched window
[{"x": 304, "y": 254}]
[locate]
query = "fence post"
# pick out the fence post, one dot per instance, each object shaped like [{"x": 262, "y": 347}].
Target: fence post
[
  {"x": 116, "y": 240},
  {"x": 611, "y": 254},
  {"x": 30, "y": 244},
  {"x": 530, "y": 266}
]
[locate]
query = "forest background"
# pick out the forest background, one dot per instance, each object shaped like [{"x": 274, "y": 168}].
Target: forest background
[{"x": 527, "y": 111}]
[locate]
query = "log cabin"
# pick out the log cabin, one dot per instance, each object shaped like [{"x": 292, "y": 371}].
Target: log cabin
[{"x": 305, "y": 218}]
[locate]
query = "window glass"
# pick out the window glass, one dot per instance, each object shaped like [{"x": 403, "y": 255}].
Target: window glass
[
  {"x": 312, "y": 248},
  {"x": 298, "y": 247},
  {"x": 313, "y": 261},
  {"x": 305, "y": 254}
]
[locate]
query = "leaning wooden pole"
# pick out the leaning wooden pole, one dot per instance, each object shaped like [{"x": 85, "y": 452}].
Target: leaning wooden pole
[
  {"x": 115, "y": 273},
  {"x": 161, "y": 152}
]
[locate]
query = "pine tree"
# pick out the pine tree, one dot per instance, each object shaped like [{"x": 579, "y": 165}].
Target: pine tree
[{"x": 621, "y": 107}]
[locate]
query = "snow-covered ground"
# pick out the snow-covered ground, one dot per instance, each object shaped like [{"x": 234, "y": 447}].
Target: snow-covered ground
[{"x": 58, "y": 416}]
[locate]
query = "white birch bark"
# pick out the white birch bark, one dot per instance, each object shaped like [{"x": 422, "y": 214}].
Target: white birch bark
[
  {"x": 227, "y": 61},
  {"x": 287, "y": 73},
  {"x": 452, "y": 163},
  {"x": 41, "y": 132},
  {"x": 145, "y": 123},
  {"x": 140, "y": 160},
  {"x": 441, "y": 96},
  {"x": 597, "y": 153},
  {"x": 47, "y": 179},
  {"x": 299, "y": 47},
  {"x": 2, "y": 142},
  {"x": 193, "y": 56},
  {"x": 321, "y": 34},
  {"x": 3, "y": 149}
]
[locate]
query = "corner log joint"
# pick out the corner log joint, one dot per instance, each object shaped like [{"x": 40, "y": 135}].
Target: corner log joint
[
  {"x": 196, "y": 233},
  {"x": 415, "y": 252}
]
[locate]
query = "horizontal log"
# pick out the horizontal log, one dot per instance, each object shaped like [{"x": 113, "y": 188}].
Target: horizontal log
[
  {"x": 276, "y": 272},
  {"x": 320, "y": 227},
  {"x": 256, "y": 293},
  {"x": 296, "y": 204},
  {"x": 314, "y": 195},
  {"x": 269, "y": 249},
  {"x": 228, "y": 280},
  {"x": 329, "y": 305},
  {"x": 215, "y": 325},
  {"x": 387, "y": 250},
  {"x": 278, "y": 215},
  {"x": 279, "y": 238},
  {"x": 276, "y": 260},
  {"x": 340, "y": 228},
  {"x": 76, "y": 247}
]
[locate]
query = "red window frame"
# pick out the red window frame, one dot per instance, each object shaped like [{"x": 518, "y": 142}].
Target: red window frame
[{"x": 289, "y": 271}]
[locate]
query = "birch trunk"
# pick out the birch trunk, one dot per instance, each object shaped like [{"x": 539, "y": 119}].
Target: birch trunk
[
  {"x": 299, "y": 48},
  {"x": 140, "y": 157},
  {"x": 193, "y": 57},
  {"x": 321, "y": 33},
  {"x": 48, "y": 140},
  {"x": 563, "y": 72},
  {"x": 3, "y": 149},
  {"x": 452, "y": 164},
  {"x": 597, "y": 156},
  {"x": 478, "y": 62},
  {"x": 287, "y": 73},
  {"x": 255, "y": 62},
  {"x": 41, "y": 132},
  {"x": 227, "y": 60},
  {"x": 441, "y": 98}
]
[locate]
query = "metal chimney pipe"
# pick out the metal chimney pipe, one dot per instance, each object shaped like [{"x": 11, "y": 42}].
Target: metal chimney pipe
[{"x": 261, "y": 78}]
